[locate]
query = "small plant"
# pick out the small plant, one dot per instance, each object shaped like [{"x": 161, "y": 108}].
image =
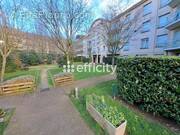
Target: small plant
[
  {"x": 110, "y": 113},
  {"x": 2, "y": 113}
]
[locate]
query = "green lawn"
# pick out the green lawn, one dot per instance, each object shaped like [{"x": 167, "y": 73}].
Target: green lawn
[
  {"x": 137, "y": 124},
  {"x": 77, "y": 75},
  {"x": 33, "y": 72},
  {"x": 3, "y": 125}
]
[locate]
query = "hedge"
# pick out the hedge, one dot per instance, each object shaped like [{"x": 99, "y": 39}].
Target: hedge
[
  {"x": 33, "y": 58},
  {"x": 151, "y": 83},
  {"x": 81, "y": 59}
]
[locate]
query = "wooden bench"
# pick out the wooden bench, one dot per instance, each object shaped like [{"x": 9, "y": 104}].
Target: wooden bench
[
  {"x": 17, "y": 87},
  {"x": 63, "y": 79}
]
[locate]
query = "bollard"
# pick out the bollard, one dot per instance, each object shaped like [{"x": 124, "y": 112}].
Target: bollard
[
  {"x": 76, "y": 93},
  {"x": 114, "y": 90}
]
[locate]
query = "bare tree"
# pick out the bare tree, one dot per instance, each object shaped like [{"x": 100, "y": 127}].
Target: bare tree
[
  {"x": 64, "y": 19},
  {"x": 118, "y": 27},
  {"x": 9, "y": 33}
]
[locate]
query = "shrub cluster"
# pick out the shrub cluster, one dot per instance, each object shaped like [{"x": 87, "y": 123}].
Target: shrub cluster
[
  {"x": 108, "y": 112},
  {"x": 81, "y": 59},
  {"x": 151, "y": 83},
  {"x": 61, "y": 60},
  {"x": 33, "y": 58},
  {"x": 13, "y": 63}
]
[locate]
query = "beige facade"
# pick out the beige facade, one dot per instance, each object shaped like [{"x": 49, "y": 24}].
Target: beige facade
[
  {"x": 159, "y": 32},
  {"x": 37, "y": 43}
]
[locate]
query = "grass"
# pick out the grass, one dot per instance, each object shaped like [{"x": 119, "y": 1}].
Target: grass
[
  {"x": 33, "y": 72},
  {"x": 77, "y": 75},
  {"x": 3, "y": 125},
  {"x": 137, "y": 124}
]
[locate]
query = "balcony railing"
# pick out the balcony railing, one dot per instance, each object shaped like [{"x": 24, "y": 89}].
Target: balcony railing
[
  {"x": 173, "y": 45},
  {"x": 174, "y": 3},
  {"x": 176, "y": 43},
  {"x": 174, "y": 20},
  {"x": 175, "y": 16}
]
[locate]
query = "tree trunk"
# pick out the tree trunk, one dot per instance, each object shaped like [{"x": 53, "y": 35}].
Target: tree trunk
[
  {"x": 67, "y": 58},
  {"x": 3, "y": 68},
  {"x": 113, "y": 59}
]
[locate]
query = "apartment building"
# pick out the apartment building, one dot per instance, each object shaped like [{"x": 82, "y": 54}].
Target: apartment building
[
  {"x": 159, "y": 33},
  {"x": 38, "y": 43},
  {"x": 78, "y": 45},
  {"x": 94, "y": 44},
  {"x": 174, "y": 28}
]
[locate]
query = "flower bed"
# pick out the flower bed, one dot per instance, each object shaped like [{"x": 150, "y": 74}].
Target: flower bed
[
  {"x": 20, "y": 79},
  {"x": 108, "y": 117}
]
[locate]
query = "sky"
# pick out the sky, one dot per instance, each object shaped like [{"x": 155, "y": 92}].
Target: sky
[{"x": 98, "y": 7}]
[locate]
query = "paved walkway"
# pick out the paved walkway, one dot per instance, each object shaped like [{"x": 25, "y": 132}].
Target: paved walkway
[
  {"x": 48, "y": 112},
  {"x": 89, "y": 82},
  {"x": 44, "y": 79}
]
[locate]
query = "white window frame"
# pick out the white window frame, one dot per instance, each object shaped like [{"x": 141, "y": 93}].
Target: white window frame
[{"x": 143, "y": 45}]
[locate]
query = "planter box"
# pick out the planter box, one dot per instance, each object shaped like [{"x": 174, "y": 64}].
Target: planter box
[
  {"x": 63, "y": 79},
  {"x": 104, "y": 123},
  {"x": 18, "y": 85}
]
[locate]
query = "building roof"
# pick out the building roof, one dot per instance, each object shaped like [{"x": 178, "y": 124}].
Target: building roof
[{"x": 130, "y": 8}]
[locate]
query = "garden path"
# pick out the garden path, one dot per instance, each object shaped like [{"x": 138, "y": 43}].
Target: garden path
[
  {"x": 48, "y": 112},
  {"x": 44, "y": 79}
]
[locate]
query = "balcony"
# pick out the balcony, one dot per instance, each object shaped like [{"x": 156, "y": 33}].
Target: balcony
[
  {"x": 174, "y": 21},
  {"x": 174, "y": 3},
  {"x": 174, "y": 46}
]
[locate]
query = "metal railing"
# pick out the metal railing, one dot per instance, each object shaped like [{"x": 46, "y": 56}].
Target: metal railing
[
  {"x": 176, "y": 43},
  {"x": 174, "y": 16}
]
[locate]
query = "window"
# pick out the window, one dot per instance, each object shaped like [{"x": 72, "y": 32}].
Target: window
[
  {"x": 164, "y": 3},
  {"x": 178, "y": 14},
  {"x": 114, "y": 26},
  {"x": 162, "y": 41},
  {"x": 145, "y": 43},
  {"x": 127, "y": 19},
  {"x": 163, "y": 20},
  {"x": 146, "y": 26},
  {"x": 126, "y": 47},
  {"x": 176, "y": 39},
  {"x": 104, "y": 48},
  {"x": 147, "y": 9}
]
